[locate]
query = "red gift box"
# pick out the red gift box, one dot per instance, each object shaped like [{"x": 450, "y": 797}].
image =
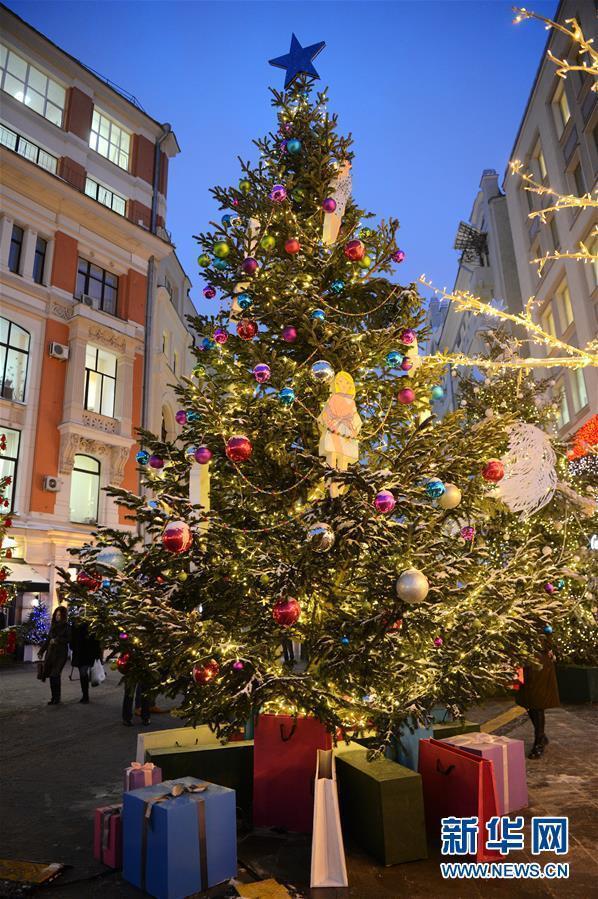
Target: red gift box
[
  {"x": 284, "y": 767},
  {"x": 107, "y": 835},
  {"x": 457, "y": 784}
]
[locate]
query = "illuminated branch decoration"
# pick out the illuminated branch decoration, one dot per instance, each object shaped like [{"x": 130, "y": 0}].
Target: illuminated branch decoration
[
  {"x": 575, "y": 34},
  {"x": 583, "y": 255},
  {"x": 467, "y": 302},
  {"x": 561, "y": 201}
]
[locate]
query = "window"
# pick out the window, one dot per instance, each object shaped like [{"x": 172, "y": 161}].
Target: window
[
  {"x": 16, "y": 245},
  {"x": 100, "y": 285},
  {"x": 529, "y": 199},
  {"x": 578, "y": 389},
  {"x": 593, "y": 249},
  {"x": 165, "y": 342},
  {"x": 563, "y": 411},
  {"x": 14, "y": 357},
  {"x": 30, "y": 86},
  {"x": 547, "y": 321},
  {"x": 563, "y": 305},
  {"x": 100, "y": 381},
  {"x": 540, "y": 162},
  {"x": 562, "y": 113},
  {"x": 39, "y": 260},
  {"x": 105, "y": 197},
  {"x": 85, "y": 490},
  {"x": 24, "y": 147},
  {"x": 554, "y": 233},
  {"x": 578, "y": 180},
  {"x": 109, "y": 139},
  {"x": 9, "y": 460},
  {"x": 175, "y": 362}
]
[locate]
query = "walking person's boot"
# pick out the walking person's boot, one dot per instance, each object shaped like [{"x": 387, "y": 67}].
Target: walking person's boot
[
  {"x": 84, "y": 688},
  {"x": 540, "y": 739},
  {"x": 54, "y": 690}
]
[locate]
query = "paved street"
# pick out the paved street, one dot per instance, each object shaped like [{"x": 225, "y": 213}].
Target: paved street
[{"x": 58, "y": 764}]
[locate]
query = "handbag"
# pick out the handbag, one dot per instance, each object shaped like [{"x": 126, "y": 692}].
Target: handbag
[
  {"x": 40, "y": 670},
  {"x": 97, "y": 674}
]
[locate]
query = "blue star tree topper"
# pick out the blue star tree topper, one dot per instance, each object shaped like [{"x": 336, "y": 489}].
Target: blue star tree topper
[{"x": 298, "y": 61}]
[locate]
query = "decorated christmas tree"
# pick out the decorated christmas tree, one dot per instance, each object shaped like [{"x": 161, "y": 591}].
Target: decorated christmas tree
[
  {"x": 309, "y": 541},
  {"x": 35, "y": 630}
]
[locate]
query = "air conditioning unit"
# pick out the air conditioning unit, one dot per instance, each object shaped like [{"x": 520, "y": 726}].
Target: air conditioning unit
[
  {"x": 59, "y": 351},
  {"x": 51, "y": 483},
  {"x": 92, "y": 302}
]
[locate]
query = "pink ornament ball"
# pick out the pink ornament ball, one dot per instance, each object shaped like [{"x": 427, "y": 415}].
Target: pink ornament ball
[
  {"x": 177, "y": 537},
  {"x": 156, "y": 462},
  {"x": 181, "y": 417},
  {"x": 286, "y": 611},
  {"x": 220, "y": 336},
  {"x": 238, "y": 448},
  {"x": 406, "y": 364},
  {"x": 203, "y": 454},
  {"x": 246, "y": 329},
  {"x": 467, "y": 532},
  {"x": 292, "y": 246},
  {"x": 408, "y": 336},
  {"x": 209, "y": 292},
  {"x": 329, "y": 204},
  {"x": 249, "y": 265},
  {"x": 384, "y": 502},
  {"x": 238, "y": 666},
  {"x": 354, "y": 250},
  {"x": 438, "y": 641},
  {"x": 406, "y": 396},
  {"x": 399, "y": 256},
  {"x": 289, "y": 334}
]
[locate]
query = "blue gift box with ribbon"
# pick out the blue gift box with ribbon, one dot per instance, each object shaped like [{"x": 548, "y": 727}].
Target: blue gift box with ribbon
[{"x": 179, "y": 837}]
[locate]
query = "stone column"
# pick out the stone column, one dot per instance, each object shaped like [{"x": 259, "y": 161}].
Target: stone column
[
  {"x": 28, "y": 254},
  {"x": 6, "y": 224}
]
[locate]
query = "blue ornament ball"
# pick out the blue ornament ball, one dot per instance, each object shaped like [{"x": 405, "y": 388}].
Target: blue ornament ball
[
  {"x": 192, "y": 416},
  {"x": 548, "y": 629},
  {"x": 435, "y": 488},
  {"x": 226, "y": 219},
  {"x": 190, "y": 452},
  {"x": 560, "y": 583},
  {"x": 286, "y": 396},
  {"x": 394, "y": 359},
  {"x": 319, "y": 315},
  {"x": 337, "y": 286},
  {"x": 208, "y": 344},
  {"x": 437, "y": 393},
  {"x": 244, "y": 300},
  {"x": 294, "y": 146},
  {"x": 345, "y": 641},
  {"x": 142, "y": 457},
  {"x": 220, "y": 264}
]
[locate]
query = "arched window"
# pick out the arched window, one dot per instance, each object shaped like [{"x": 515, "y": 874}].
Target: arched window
[
  {"x": 14, "y": 357},
  {"x": 85, "y": 490},
  {"x": 168, "y": 426}
]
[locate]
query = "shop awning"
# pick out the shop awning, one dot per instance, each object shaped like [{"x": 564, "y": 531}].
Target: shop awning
[{"x": 25, "y": 578}]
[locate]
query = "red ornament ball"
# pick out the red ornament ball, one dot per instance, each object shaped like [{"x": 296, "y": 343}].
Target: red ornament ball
[
  {"x": 286, "y": 611},
  {"x": 354, "y": 250},
  {"x": 493, "y": 471},
  {"x": 406, "y": 396},
  {"x": 122, "y": 662},
  {"x": 292, "y": 246},
  {"x": 246, "y": 329},
  {"x": 89, "y": 581},
  {"x": 177, "y": 537},
  {"x": 3, "y": 595},
  {"x": 203, "y": 674},
  {"x": 238, "y": 448}
]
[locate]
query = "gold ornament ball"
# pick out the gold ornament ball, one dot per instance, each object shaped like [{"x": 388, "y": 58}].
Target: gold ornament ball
[
  {"x": 412, "y": 586},
  {"x": 451, "y": 497},
  {"x": 265, "y": 578}
]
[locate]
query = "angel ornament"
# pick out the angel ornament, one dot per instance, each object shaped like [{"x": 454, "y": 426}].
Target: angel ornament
[{"x": 340, "y": 425}]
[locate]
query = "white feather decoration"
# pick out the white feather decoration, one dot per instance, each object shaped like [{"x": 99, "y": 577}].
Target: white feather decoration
[
  {"x": 530, "y": 477},
  {"x": 339, "y": 190}
]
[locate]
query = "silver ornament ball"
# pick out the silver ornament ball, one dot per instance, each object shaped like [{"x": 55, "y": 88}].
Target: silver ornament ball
[
  {"x": 111, "y": 557},
  {"x": 451, "y": 497},
  {"x": 322, "y": 370},
  {"x": 412, "y": 586},
  {"x": 320, "y": 537}
]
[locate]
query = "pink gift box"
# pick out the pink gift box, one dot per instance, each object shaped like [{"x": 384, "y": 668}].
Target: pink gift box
[
  {"x": 107, "y": 835},
  {"x": 138, "y": 775},
  {"x": 508, "y": 758}
]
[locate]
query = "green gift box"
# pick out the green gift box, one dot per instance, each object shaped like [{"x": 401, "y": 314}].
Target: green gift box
[
  {"x": 381, "y": 806},
  {"x": 230, "y": 765},
  {"x": 452, "y": 728}
]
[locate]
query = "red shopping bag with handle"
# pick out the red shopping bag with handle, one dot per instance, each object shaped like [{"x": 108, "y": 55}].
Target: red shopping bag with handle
[
  {"x": 457, "y": 784},
  {"x": 284, "y": 767}
]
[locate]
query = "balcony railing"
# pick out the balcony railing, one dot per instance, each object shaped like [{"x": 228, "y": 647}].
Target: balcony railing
[{"x": 14, "y": 141}]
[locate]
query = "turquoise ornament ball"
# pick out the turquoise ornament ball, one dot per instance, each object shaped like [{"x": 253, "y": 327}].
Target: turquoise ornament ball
[
  {"x": 244, "y": 300},
  {"x": 286, "y": 396},
  {"x": 337, "y": 286},
  {"x": 294, "y": 146},
  {"x": 437, "y": 393},
  {"x": 435, "y": 488},
  {"x": 394, "y": 358}
]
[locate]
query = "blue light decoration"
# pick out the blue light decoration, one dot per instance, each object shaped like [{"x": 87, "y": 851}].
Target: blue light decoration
[{"x": 298, "y": 61}]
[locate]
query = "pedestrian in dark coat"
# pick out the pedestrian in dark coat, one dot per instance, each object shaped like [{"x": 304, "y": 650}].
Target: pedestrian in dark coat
[
  {"x": 538, "y": 692},
  {"x": 55, "y": 651},
  {"x": 85, "y": 649}
]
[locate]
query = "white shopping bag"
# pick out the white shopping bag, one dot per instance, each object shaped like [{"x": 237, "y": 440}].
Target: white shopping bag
[
  {"x": 97, "y": 675},
  {"x": 328, "y": 867}
]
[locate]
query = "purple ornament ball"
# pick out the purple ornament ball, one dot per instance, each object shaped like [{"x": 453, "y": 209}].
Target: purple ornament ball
[
  {"x": 238, "y": 666},
  {"x": 209, "y": 292},
  {"x": 398, "y": 256},
  {"x": 220, "y": 335},
  {"x": 406, "y": 364},
  {"x": 550, "y": 588},
  {"x": 181, "y": 417},
  {"x": 278, "y": 194},
  {"x": 261, "y": 373},
  {"x": 468, "y": 532},
  {"x": 438, "y": 641},
  {"x": 203, "y": 454},
  {"x": 249, "y": 265},
  {"x": 406, "y": 396},
  {"x": 289, "y": 334},
  {"x": 408, "y": 336},
  {"x": 384, "y": 502},
  {"x": 156, "y": 462},
  {"x": 329, "y": 204}
]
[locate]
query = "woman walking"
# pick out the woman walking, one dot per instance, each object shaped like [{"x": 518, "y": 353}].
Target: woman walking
[
  {"x": 85, "y": 649},
  {"x": 55, "y": 648},
  {"x": 539, "y": 692}
]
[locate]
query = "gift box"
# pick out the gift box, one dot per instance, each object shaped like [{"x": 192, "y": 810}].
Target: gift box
[
  {"x": 174, "y": 736},
  {"x": 107, "y": 835},
  {"x": 381, "y": 804},
  {"x": 230, "y": 766},
  {"x": 137, "y": 775},
  {"x": 508, "y": 758},
  {"x": 457, "y": 784},
  {"x": 284, "y": 767},
  {"x": 445, "y": 729},
  {"x": 179, "y": 837}
]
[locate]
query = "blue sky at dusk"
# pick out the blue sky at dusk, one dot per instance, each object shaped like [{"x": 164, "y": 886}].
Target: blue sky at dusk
[{"x": 433, "y": 92}]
